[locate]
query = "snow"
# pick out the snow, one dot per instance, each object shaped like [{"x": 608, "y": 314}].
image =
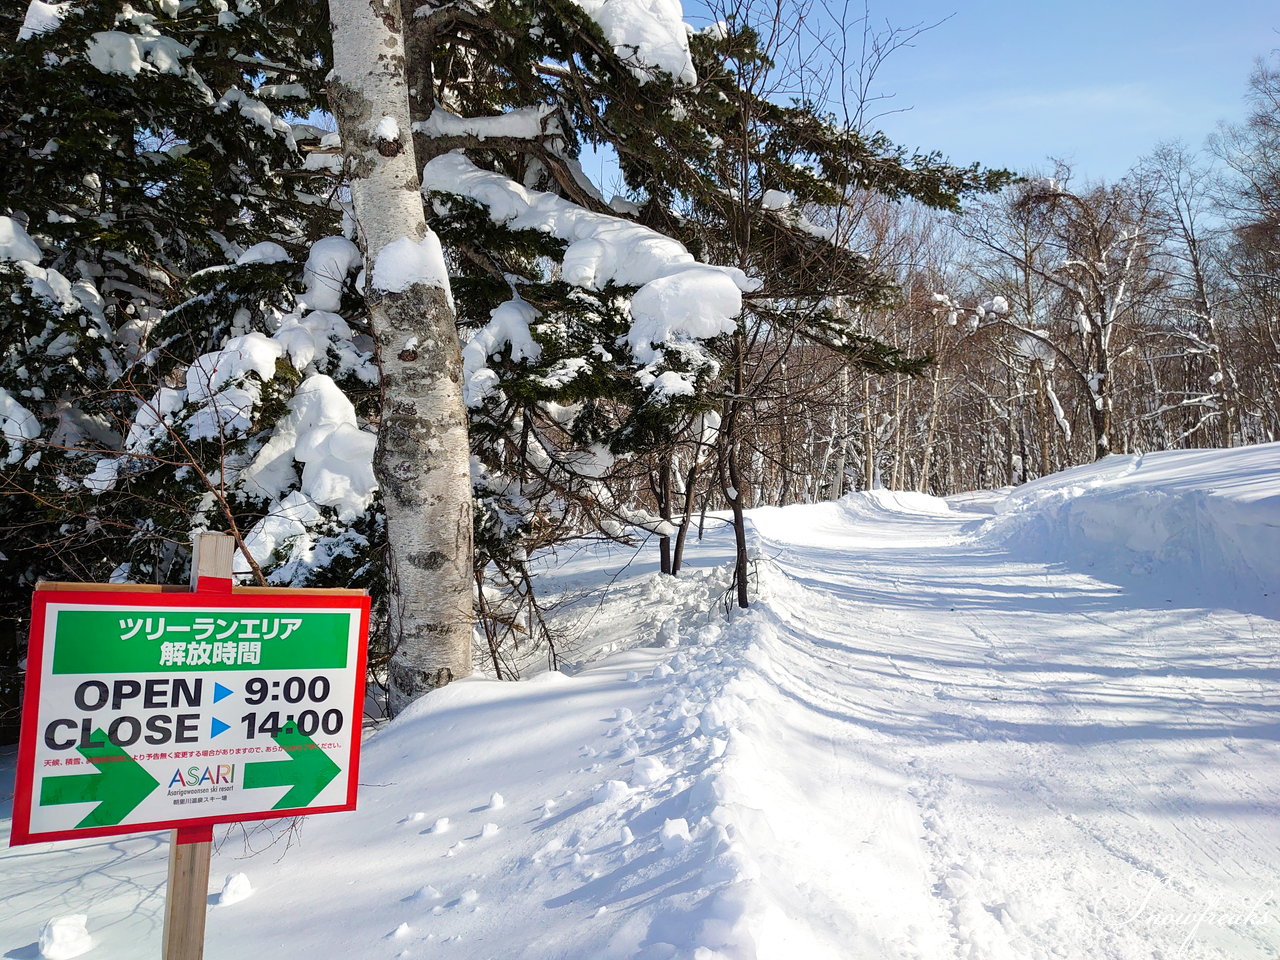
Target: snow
[
  {"x": 387, "y": 129},
  {"x": 256, "y": 112},
  {"x": 65, "y": 937},
  {"x": 321, "y": 432},
  {"x": 42, "y": 17},
  {"x": 128, "y": 54},
  {"x": 18, "y": 425},
  {"x": 602, "y": 249},
  {"x": 405, "y": 262},
  {"x": 1197, "y": 518},
  {"x": 698, "y": 302},
  {"x": 527, "y": 123},
  {"x": 674, "y": 835},
  {"x": 776, "y": 200},
  {"x": 679, "y": 300},
  {"x": 648, "y": 33},
  {"x": 265, "y": 252},
  {"x": 329, "y": 263},
  {"x": 1012, "y": 725},
  {"x": 16, "y": 243},
  {"x": 114, "y": 52},
  {"x": 234, "y": 889},
  {"x": 304, "y": 337},
  {"x": 253, "y": 353},
  {"x": 508, "y": 326}
]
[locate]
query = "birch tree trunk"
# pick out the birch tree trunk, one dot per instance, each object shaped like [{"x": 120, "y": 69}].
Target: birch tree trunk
[{"x": 422, "y": 461}]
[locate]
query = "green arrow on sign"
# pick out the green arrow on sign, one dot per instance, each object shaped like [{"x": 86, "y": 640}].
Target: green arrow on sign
[
  {"x": 120, "y": 784},
  {"x": 307, "y": 771}
]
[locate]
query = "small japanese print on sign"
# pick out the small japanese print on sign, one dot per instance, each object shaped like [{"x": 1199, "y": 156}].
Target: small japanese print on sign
[{"x": 146, "y": 711}]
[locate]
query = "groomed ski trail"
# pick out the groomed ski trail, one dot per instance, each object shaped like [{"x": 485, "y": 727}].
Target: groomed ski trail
[{"x": 1002, "y": 757}]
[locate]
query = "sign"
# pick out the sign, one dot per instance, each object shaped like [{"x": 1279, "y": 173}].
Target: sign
[{"x": 147, "y": 711}]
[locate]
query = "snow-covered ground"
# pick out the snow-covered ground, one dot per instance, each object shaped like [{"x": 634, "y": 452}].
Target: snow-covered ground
[{"x": 1027, "y": 724}]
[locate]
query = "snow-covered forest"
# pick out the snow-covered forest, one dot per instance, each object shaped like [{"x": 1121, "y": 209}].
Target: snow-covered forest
[
  {"x": 214, "y": 315},
  {"x": 885, "y": 543}
]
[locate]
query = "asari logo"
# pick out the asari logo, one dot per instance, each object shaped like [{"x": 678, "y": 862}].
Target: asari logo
[{"x": 194, "y": 776}]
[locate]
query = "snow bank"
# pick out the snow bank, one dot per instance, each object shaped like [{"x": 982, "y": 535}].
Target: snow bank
[{"x": 1204, "y": 517}]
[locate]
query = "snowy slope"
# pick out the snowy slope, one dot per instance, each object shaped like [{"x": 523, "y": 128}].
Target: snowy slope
[{"x": 1033, "y": 724}]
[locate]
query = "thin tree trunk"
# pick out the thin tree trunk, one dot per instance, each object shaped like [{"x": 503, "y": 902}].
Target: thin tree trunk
[
  {"x": 927, "y": 463},
  {"x": 729, "y": 480},
  {"x": 868, "y": 437},
  {"x": 846, "y": 425},
  {"x": 422, "y": 458},
  {"x": 663, "y": 490},
  {"x": 686, "y": 514},
  {"x": 730, "y": 475}
]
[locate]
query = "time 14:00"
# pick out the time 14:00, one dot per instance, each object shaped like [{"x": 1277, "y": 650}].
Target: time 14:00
[{"x": 308, "y": 722}]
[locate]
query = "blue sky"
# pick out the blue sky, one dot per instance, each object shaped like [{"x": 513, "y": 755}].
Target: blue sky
[{"x": 1094, "y": 82}]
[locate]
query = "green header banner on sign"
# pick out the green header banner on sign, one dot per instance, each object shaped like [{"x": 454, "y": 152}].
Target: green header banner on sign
[{"x": 152, "y": 641}]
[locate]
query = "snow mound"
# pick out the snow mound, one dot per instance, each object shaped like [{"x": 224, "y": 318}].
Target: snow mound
[
  {"x": 65, "y": 937},
  {"x": 235, "y": 889},
  {"x": 1206, "y": 517}
]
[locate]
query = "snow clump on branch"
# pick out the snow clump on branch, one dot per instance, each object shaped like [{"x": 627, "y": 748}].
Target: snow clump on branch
[{"x": 680, "y": 302}]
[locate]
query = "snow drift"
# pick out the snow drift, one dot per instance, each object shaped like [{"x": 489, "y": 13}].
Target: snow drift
[{"x": 1208, "y": 519}]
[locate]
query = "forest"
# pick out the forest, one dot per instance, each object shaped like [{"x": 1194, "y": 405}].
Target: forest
[{"x": 335, "y": 280}]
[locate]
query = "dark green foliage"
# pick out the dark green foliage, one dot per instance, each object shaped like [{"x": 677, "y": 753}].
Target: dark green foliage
[{"x": 132, "y": 174}]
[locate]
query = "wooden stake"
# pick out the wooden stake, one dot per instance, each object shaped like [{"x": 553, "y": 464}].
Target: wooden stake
[{"x": 186, "y": 902}]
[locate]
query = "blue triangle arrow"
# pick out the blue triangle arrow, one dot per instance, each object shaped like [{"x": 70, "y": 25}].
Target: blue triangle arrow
[
  {"x": 219, "y": 691},
  {"x": 217, "y": 726}
]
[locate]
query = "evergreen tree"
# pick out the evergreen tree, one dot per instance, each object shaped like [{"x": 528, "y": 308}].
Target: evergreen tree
[{"x": 146, "y": 146}]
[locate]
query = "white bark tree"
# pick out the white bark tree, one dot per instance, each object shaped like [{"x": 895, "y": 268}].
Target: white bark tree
[{"x": 422, "y": 459}]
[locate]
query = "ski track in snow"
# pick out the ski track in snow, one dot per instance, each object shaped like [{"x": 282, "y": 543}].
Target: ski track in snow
[{"x": 929, "y": 740}]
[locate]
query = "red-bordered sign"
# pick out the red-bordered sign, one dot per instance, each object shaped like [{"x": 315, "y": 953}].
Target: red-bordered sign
[{"x": 161, "y": 710}]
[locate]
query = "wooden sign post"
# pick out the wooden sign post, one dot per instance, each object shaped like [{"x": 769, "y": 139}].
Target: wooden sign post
[
  {"x": 186, "y": 895},
  {"x": 151, "y": 707}
]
